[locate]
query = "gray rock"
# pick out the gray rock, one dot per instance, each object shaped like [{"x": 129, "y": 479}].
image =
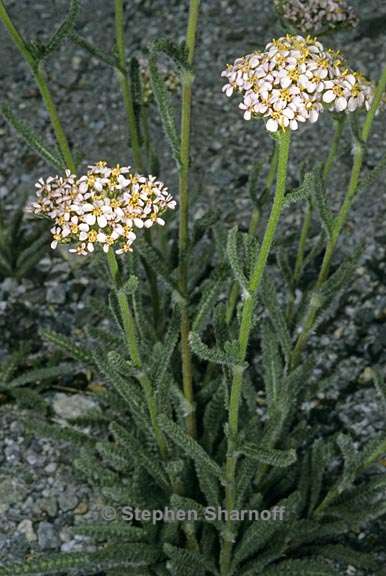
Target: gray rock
[
  {"x": 51, "y": 468},
  {"x": 12, "y": 453},
  {"x": 67, "y": 406},
  {"x": 56, "y": 294},
  {"x": 25, "y": 527},
  {"x": 47, "y": 536},
  {"x": 35, "y": 459},
  {"x": 68, "y": 501},
  {"x": 12, "y": 491},
  {"x": 49, "y": 505}
]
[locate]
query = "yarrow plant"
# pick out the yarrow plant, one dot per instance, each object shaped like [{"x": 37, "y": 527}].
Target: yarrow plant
[
  {"x": 103, "y": 207},
  {"x": 316, "y": 16},
  {"x": 193, "y": 417},
  {"x": 292, "y": 80}
]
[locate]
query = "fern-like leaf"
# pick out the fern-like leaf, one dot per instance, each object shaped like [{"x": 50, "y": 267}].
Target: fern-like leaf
[
  {"x": 64, "y": 29},
  {"x": 273, "y": 457},
  {"x": 33, "y": 140},
  {"x": 189, "y": 446},
  {"x": 165, "y": 106}
]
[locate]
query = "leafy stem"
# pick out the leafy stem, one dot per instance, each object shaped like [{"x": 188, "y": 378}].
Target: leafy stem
[
  {"x": 299, "y": 263},
  {"x": 252, "y": 230},
  {"x": 38, "y": 72},
  {"x": 131, "y": 337},
  {"x": 245, "y": 330},
  {"x": 341, "y": 218},
  {"x": 187, "y": 81},
  {"x": 126, "y": 85}
]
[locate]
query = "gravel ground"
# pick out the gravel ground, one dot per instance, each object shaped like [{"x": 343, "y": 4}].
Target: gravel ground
[{"x": 39, "y": 496}]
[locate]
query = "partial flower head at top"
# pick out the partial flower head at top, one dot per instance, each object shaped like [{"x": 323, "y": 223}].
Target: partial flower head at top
[
  {"x": 316, "y": 16},
  {"x": 105, "y": 207},
  {"x": 291, "y": 82},
  {"x": 169, "y": 77}
]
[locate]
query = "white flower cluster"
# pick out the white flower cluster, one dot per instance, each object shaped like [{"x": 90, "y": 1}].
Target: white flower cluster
[
  {"x": 316, "y": 16},
  {"x": 291, "y": 81},
  {"x": 104, "y": 207}
]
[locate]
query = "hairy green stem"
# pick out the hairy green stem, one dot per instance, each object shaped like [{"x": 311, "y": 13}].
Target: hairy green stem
[
  {"x": 16, "y": 36},
  {"x": 127, "y": 94},
  {"x": 252, "y": 231},
  {"x": 55, "y": 121},
  {"x": 38, "y": 72},
  {"x": 302, "y": 243},
  {"x": 257, "y": 274},
  {"x": 126, "y": 85},
  {"x": 332, "y": 154},
  {"x": 245, "y": 329},
  {"x": 334, "y": 149},
  {"x": 131, "y": 337},
  {"x": 339, "y": 127},
  {"x": 183, "y": 241},
  {"x": 340, "y": 220}
]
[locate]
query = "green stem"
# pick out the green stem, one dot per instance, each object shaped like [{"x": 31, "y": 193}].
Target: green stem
[
  {"x": 331, "y": 244},
  {"x": 146, "y": 132},
  {"x": 40, "y": 78},
  {"x": 126, "y": 85},
  {"x": 16, "y": 36},
  {"x": 378, "y": 96},
  {"x": 302, "y": 243},
  {"x": 340, "y": 220},
  {"x": 252, "y": 231},
  {"x": 245, "y": 329},
  {"x": 183, "y": 243},
  {"x": 254, "y": 283},
  {"x": 127, "y": 93},
  {"x": 131, "y": 337},
  {"x": 55, "y": 121},
  {"x": 339, "y": 127}
]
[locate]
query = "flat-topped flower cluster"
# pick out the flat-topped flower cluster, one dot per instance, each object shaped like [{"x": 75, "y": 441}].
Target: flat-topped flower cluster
[
  {"x": 103, "y": 207},
  {"x": 292, "y": 80},
  {"x": 316, "y": 16}
]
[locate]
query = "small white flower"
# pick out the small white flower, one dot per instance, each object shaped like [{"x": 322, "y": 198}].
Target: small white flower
[{"x": 272, "y": 125}]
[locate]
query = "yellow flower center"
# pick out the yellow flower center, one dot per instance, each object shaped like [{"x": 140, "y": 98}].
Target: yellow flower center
[
  {"x": 280, "y": 59},
  {"x": 323, "y": 63},
  {"x": 116, "y": 171},
  {"x": 285, "y": 95},
  {"x": 338, "y": 91},
  {"x": 126, "y": 231},
  {"x": 294, "y": 75}
]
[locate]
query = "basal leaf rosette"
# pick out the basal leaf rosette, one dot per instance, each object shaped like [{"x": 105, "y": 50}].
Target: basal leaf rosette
[
  {"x": 293, "y": 80},
  {"x": 105, "y": 207},
  {"x": 316, "y": 16}
]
